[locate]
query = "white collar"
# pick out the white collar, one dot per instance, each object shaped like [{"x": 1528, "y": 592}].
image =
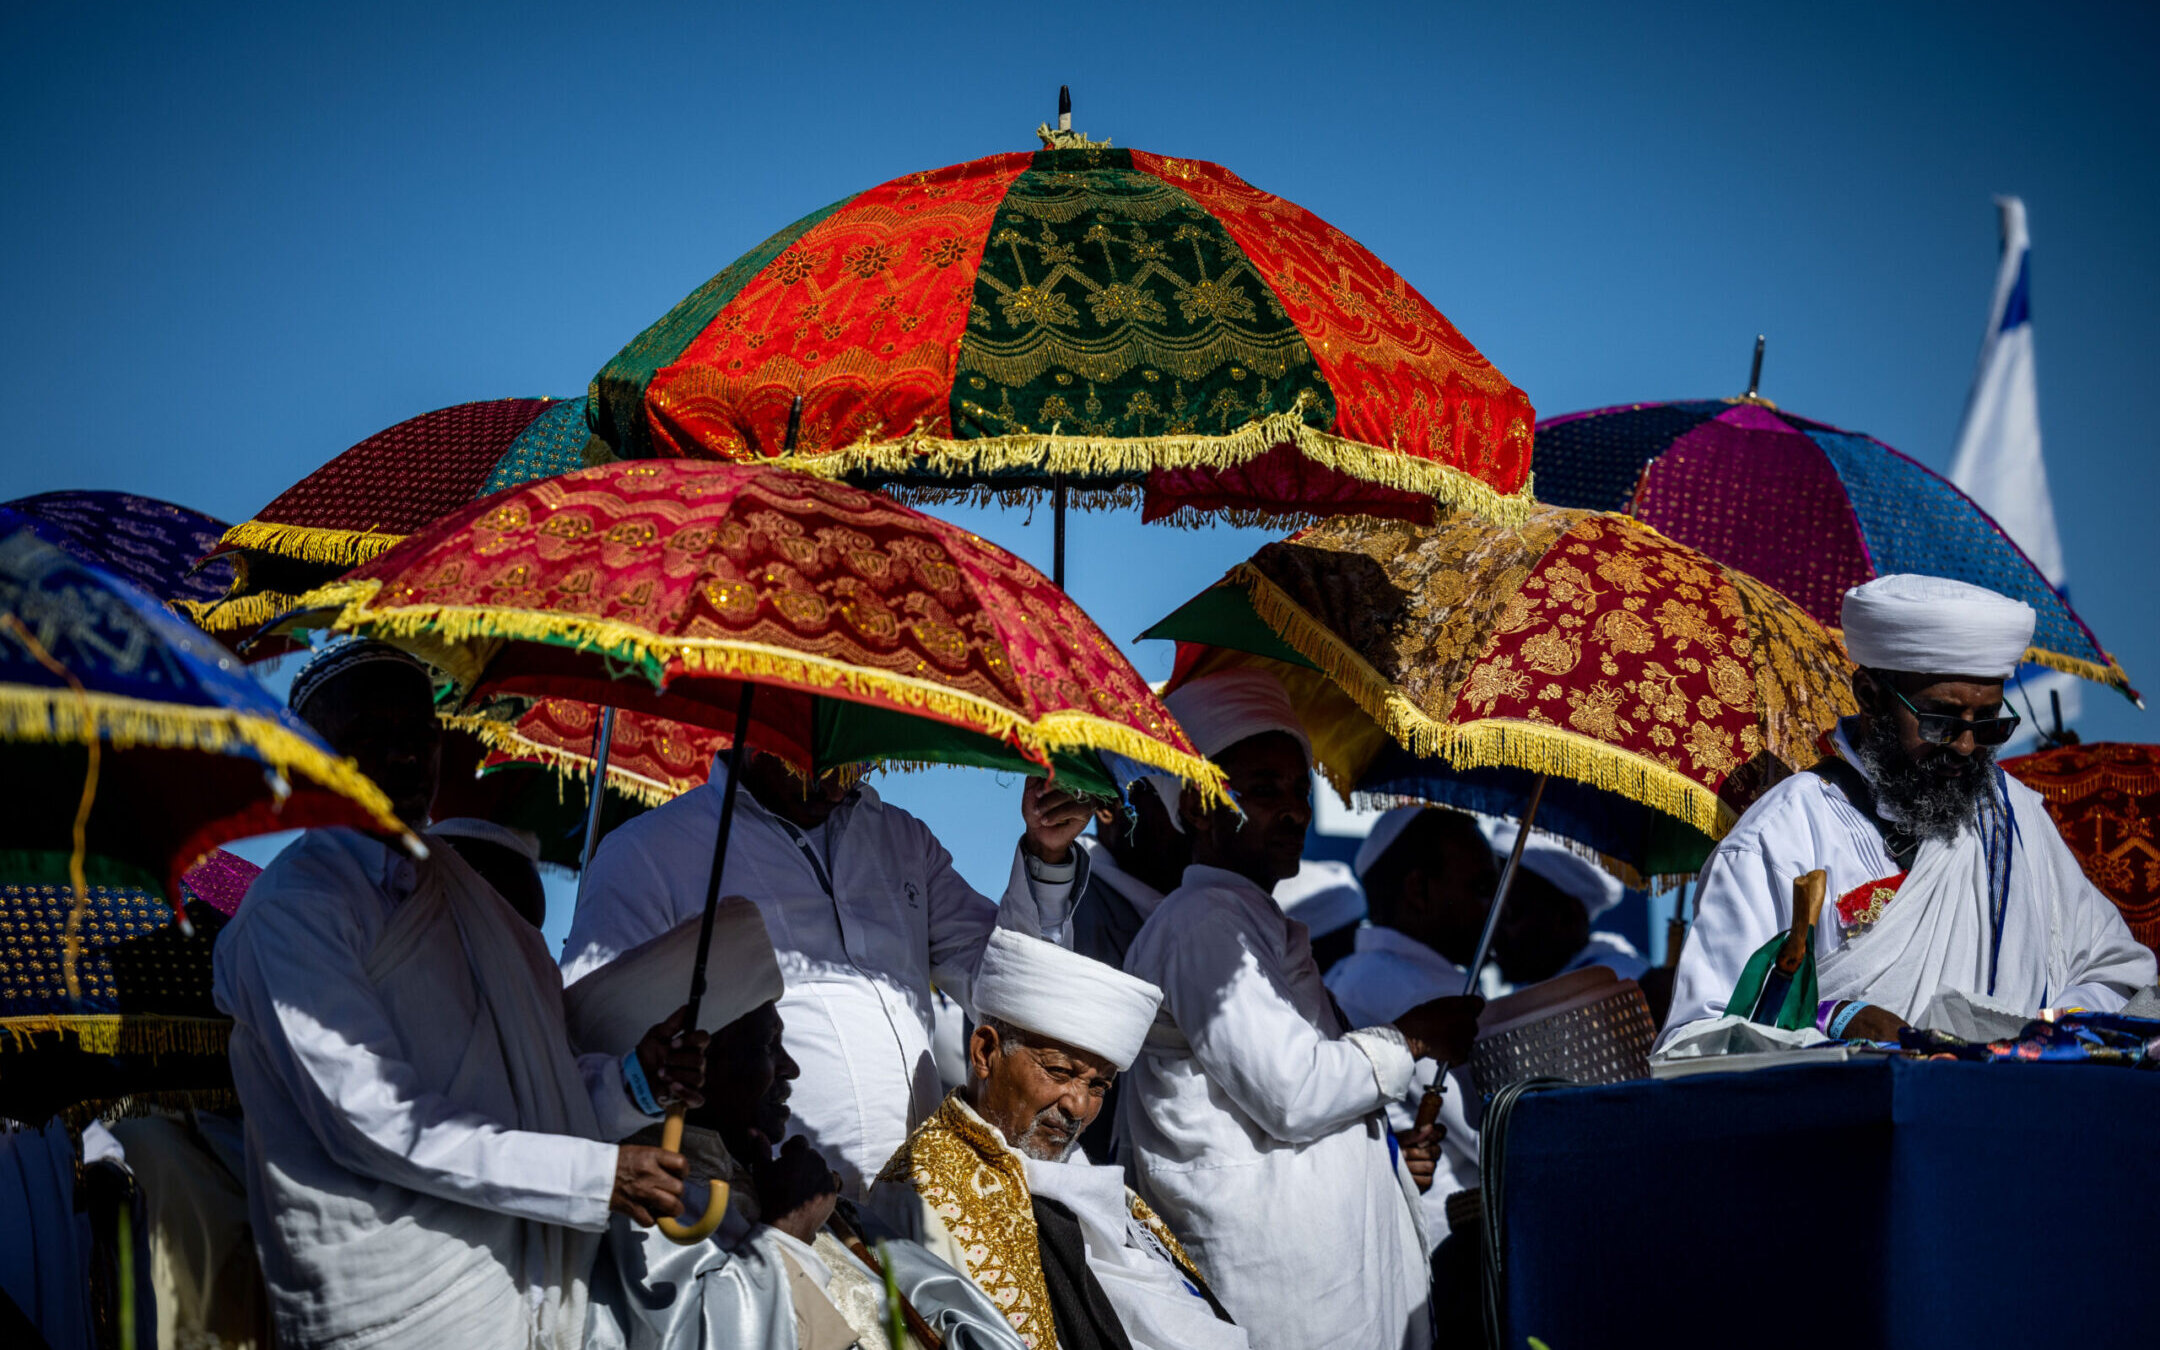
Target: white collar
[
  {"x": 1222, "y": 878},
  {"x": 1380, "y": 939}
]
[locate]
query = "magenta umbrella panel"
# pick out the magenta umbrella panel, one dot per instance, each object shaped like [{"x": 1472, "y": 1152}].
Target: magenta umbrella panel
[{"x": 1804, "y": 506}]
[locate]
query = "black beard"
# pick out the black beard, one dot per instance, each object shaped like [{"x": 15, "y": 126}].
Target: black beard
[{"x": 1926, "y": 804}]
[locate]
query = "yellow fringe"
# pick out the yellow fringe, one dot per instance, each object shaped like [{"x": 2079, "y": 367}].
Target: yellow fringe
[
  {"x": 122, "y": 1033},
  {"x": 311, "y": 543},
  {"x": 441, "y": 626},
  {"x": 503, "y": 736},
  {"x": 50, "y": 715},
  {"x": 236, "y": 613},
  {"x": 1133, "y": 456},
  {"x": 2109, "y": 674},
  {"x": 1529, "y": 746},
  {"x": 109, "y": 1109}
]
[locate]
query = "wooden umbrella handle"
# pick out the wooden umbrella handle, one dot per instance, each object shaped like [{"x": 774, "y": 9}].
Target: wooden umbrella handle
[
  {"x": 1808, "y": 892},
  {"x": 715, "y": 1200}
]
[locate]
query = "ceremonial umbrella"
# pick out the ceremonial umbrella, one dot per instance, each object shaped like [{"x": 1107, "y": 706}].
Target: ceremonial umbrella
[
  {"x": 1582, "y": 671},
  {"x": 150, "y": 543},
  {"x": 130, "y": 735},
  {"x": 374, "y": 494},
  {"x": 681, "y": 589},
  {"x": 1102, "y": 319},
  {"x": 143, "y": 1024},
  {"x": 1808, "y": 508},
  {"x": 2104, "y": 798}
]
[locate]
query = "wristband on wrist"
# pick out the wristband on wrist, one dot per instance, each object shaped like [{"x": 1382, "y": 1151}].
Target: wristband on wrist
[
  {"x": 1823, "y": 1013},
  {"x": 641, "y": 1093},
  {"x": 1836, "y": 1030}
]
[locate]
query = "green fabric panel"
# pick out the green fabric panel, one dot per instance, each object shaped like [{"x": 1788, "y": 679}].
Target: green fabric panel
[
  {"x": 1800, "y": 997},
  {"x": 1674, "y": 847},
  {"x": 617, "y": 395},
  {"x": 1110, "y": 304},
  {"x": 1222, "y": 616},
  {"x": 851, "y": 732}
]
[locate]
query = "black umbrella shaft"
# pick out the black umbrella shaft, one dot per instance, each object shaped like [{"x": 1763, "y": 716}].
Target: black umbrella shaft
[
  {"x": 1057, "y": 533},
  {"x": 737, "y": 753},
  {"x": 1507, "y": 881}
]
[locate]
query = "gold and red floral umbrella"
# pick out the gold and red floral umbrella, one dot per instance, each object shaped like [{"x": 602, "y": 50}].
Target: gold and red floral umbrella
[
  {"x": 2104, "y": 798},
  {"x": 1656, "y": 691},
  {"x": 1095, "y": 317},
  {"x": 659, "y": 588},
  {"x": 650, "y": 759}
]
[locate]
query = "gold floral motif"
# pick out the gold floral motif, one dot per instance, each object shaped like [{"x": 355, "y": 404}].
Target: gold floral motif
[
  {"x": 1493, "y": 681},
  {"x": 1732, "y": 683},
  {"x": 1683, "y": 624},
  {"x": 1551, "y": 653},
  {"x": 1596, "y": 712},
  {"x": 1712, "y": 750},
  {"x": 1625, "y": 571},
  {"x": 1624, "y": 631}
]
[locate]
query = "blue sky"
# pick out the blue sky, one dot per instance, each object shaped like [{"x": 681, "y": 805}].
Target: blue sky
[{"x": 238, "y": 240}]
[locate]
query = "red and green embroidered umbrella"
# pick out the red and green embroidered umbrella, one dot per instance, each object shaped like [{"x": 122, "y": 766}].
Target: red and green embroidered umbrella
[
  {"x": 399, "y": 480},
  {"x": 1093, "y": 318}
]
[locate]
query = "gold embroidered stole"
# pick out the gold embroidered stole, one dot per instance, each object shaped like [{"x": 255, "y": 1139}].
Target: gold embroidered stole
[
  {"x": 965, "y": 1174},
  {"x": 1154, "y": 1224}
]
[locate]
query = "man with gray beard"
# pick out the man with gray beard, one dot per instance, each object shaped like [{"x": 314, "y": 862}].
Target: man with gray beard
[
  {"x": 1948, "y": 882},
  {"x": 994, "y": 1182}
]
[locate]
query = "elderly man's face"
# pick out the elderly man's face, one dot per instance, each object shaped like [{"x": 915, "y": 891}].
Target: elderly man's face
[
  {"x": 1960, "y": 697},
  {"x": 1272, "y": 783},
  {"x": 1039, "y": 1093},
  {"x": 383, "y": 716},
  {"x": 749, "y": 1076}
]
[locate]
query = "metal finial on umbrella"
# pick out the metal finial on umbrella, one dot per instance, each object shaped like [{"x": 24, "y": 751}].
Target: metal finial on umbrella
[
  {"x": 1064, "y": 107},
  {"x": 1754, "y": 379},
  {"x": 794, "y": 426}
]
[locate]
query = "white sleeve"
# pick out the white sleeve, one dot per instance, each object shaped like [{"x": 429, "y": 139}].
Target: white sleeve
[
  {"x": 1233, "y": 1006},
  {"x": 1737, "y": 910},
  {"x": 623, "y": 900},
  {"x": 619, "y": 1116},
  {"x": 961, "y": 918},
  {"x": 1040, "y": 896},
  {"x": 319, "y": 1022}
]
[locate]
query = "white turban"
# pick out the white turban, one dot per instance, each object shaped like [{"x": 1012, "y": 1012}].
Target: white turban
[
  {"x": 613, "y": 1007},
  {"x": 1935, "y": 626},
  {"x": 524, "y": 843},
  {"x": 1038, "y": 986},
  {"x": 1324, "y": 896},
  {"x": 1385, "y": 832},
  {"x": 1221, "y": 709},
  {"x": 1597, "y": 889}
]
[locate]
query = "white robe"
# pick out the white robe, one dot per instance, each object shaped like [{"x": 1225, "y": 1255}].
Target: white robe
[
  {"x": 859, "y": 962},
  {"x": 1258, "y": 1128},
  {"x": 424, "y": 1155},
  {"x": 2063, "y": 942},
  {"x": 1385, "y": 976}
]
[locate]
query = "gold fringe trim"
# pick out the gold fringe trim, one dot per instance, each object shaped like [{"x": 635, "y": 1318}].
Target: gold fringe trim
[
  {"x": 503, "y": 736},
  {"x": 1133, "y": 456},
  {"x": 441, "y": 625},
  {"x": 122, "y": 1033},
  {"x": 1528, "y": 746},
  {"x": 171, "y": 1102},
  {"x": 238, "y": 612},
  {"x": 311, "y": 543},
  {"x": 54, "y": 715},
  {"x": 2109, "y": 674}
]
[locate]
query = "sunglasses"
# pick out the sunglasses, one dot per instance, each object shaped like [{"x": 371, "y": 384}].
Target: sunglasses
[{"x": 1943, "y": 728}]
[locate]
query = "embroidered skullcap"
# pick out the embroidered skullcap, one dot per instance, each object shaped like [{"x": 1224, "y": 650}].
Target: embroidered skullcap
[
  {"x": 1597, "y": 889},
  {"x": 1935, "y": 626},
  {"x": 1385, "y": 832},
  {"x": 342, "y": 656},
  {"x": 524, "y": 843},
  {"x": 612, "y": 1007},
  {"x": 1038, "y": 986},
  {"x": 1324, "y": 896}
]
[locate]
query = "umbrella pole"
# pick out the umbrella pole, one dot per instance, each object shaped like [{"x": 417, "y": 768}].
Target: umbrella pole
[
  {"x": 671, "y": 1132},
  {"x": 603, "y": 741},
  {"x": 1057, "y": 532},
  {"x": 1507, "y": 880}
]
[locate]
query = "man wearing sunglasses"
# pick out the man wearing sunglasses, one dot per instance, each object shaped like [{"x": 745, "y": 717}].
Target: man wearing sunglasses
[{"x": 1946, "y": 875}]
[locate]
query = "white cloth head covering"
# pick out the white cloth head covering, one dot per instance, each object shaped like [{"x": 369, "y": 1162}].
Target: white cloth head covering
[
  {"x": 1935, "y": 626},
  {"x": 1229, "y": 706},
  {"x": 339, "y": 656},
  {"x": 1597, "y": 889},
  {"x": 1324, "y": 896},
  {"x": 614, "y": 1006},
  {"x": 1038, "y": 986},
  {"x": 1385, "y": 832},
  {"x": 522, "y": 842}
]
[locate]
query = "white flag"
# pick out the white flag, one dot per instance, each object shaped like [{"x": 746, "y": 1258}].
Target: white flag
[{"x": 1998, "y": 461}]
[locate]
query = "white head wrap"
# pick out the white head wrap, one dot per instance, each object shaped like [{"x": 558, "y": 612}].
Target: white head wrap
[
  {"x": 614, "y": 1006},
  {"x": 522, "y": 842},
  {"x": 1038, "y": 986},
  {"x": 1935, "y": 626},
  {"x": 1385, "y": 832},
  {"x": 1223, "y": 708},
  {"x": 1324, "y": 896},
  {"x": 1597, "y": 889},
  {"x": 340, "y": 655}
]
